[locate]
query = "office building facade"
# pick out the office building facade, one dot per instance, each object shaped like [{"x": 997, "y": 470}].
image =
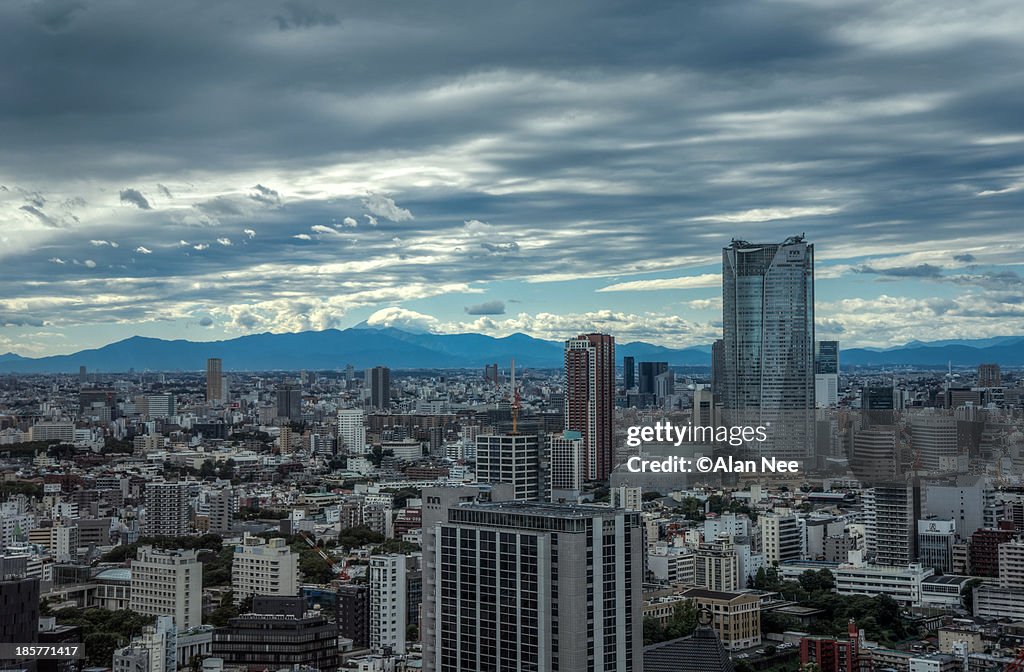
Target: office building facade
[
  {"x": 168, "y": 583},
  {"x": 531, "y": 586},
  {"x": 352, "y": 431},
  {"x": 768, "y": 336},
  {"x": 510, "y": 458},
  {"x": 280, "y": 633},
  {"x": 264, "y": 567}
]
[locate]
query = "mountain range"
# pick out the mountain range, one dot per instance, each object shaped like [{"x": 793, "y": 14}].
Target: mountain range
[{"x": 363, "y": 347}]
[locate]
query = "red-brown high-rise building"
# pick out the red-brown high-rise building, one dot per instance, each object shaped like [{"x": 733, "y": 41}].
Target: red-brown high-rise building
[
  {"x": 590, "y": 399},
  {"x": 985, "y": 548},
  {"x": 831, "y": 654}
]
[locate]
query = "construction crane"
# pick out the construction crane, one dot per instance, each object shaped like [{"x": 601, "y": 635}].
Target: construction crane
[
  {"x": 340, "y": 570},
  {"x": 1017, "y": 665}
]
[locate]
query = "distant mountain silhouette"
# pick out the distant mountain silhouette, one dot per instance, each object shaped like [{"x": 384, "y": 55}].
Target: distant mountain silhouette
[
  {"x": 1007, "y": 351},
  {"x": 331, "y": 349},
  {"x": 400, "y": 349}
]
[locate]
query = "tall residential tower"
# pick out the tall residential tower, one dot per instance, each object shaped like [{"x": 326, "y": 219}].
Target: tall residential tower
[{"x": 590, "y": 399}]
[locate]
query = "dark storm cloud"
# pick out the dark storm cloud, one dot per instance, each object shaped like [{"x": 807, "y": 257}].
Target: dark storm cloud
[
  {"x": 221, "y": 206},
  {"x": 265, "y": 195},
  {"x": 14, "y": 320},
  {"x": 56, "y": 15},
  {"x": 487, "y": 308},
  {"x": 297, "y": 14},
  {"x": 135, "y": 197},
  {"x": 919, "y": 271},
  {"x": 40, "y": 216},
  {"x": 966, "y": 258},
  {"x": 501, "y": 248},
  {"x": 593, "y": 137}
]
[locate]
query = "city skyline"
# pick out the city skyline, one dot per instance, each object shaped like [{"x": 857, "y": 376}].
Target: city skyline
[
  {"x": 554, "y": 337},
  {"x": 568, "y": 186}
]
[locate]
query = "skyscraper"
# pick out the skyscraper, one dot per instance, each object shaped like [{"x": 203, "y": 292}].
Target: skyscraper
[
  {"x": 717, "y": 368},
  {"x": 826, "y": 373},
  {"x": 933, "y": 439},
  {"x": 289, "y": 401},
  {"x": 877, "y": 404},
  {"x": 510, "y": 458},
  {"x": 167, "y": 509},
  {"x": 530, "y": 586},
  {"x": 388, "y": 607},
  {"x": 380, "y": 387},
  {"x": 890, "y": 531},
  {"x": 351, "y": 431},
  {"x": 989, "y": 375},
  {"x": 768, "y": 336},
  {"x": 214, "y": 381},
  {"x": 564, "y": 466},
  {"x": 649, "y": 371},
  {"x": 874, "y": 457},
  {"x": 628, "y": 372},
  {"x": 590, "y": 399}
]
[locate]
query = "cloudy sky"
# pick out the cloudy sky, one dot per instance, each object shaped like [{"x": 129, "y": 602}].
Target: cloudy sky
[{"x": 203, "y": 170}]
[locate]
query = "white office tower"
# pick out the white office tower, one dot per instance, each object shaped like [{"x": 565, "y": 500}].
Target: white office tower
[
  {"x": 625, "y": 497},
  {"x": 168, "y": 583},
  {"x": 264, "y": 567},
  {"x": 388, "y": 607},
  {"x": 1011, "y": 564},
  {"x": 889, "y": 529},
  {"x": 768, "y": 341},
  {"x": 161, "y": 642},
  {"x": 532, "y": 586},
  {"x": 963, "y": 503},
  {"x": 716, "y": 566},
  {"x": 159, "y": 405},
  {"x": 565, "y": 468},
  {"x": 726, "y": 525},
  {"x": 167, "y": 509},
  {"x": 510, "y": 458},
  {"x": 351, "y": 431},
  {"x": 933, "y": 440},
  {"x": 935, "y": 541},
  {"x": 16, "y": 518},
  {"x": 826, "y": 390},
  {"x": 671, "y": 564},
  {"x": 826, "y": 374},
  {"x": 782, "y": 537},
  {"x": 221, "y": 507}
]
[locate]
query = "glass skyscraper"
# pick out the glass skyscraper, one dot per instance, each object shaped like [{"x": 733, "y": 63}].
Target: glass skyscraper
[{"x": 768, "y": 342}]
